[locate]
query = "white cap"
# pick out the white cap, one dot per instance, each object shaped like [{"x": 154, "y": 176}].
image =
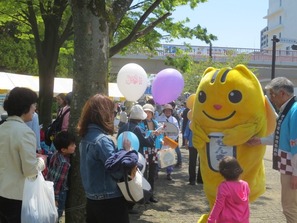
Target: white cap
[{"x": 137, "y": 113}]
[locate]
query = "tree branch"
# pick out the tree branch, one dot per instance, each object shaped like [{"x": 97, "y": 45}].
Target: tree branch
[
  {"x": 68, "y": 31},
  {"x": 118, "y": 11},
  {"x": 34, "y": 27},
  {"x": 136, "y": 35},
  {"x": 15, "y": 17},
  {"x": 145, "y": 16},
  {"x": 136, "y": 6}
]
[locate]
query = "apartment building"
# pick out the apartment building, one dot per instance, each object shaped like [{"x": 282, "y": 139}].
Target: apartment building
[{"x": 281, "y": 22}]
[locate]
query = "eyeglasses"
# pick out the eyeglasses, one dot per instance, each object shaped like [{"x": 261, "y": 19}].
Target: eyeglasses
[{"x": 272, "y": 94}]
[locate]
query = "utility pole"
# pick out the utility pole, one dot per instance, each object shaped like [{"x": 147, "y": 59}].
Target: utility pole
[
  {"x": 274, "y": 41},
  {"x": 210, "y": 50}
]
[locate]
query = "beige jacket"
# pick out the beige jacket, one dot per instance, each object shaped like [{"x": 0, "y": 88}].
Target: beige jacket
[{"x": 17, "y": 157}]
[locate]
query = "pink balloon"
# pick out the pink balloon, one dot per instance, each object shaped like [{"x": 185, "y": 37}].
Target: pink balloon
[{"x": 167, "y": 86}]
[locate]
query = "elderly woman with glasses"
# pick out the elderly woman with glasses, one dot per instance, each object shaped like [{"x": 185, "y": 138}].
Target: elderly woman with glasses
[{"x": 17, "y": 152}]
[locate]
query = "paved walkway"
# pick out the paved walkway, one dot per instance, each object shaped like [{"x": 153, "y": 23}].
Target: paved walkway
[{"x": 182, "y": 203}]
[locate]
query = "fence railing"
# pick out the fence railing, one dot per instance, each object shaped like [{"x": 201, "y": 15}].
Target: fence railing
[{"x": 221, "y": 53}]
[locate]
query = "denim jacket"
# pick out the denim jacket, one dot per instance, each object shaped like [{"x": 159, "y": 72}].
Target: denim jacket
[{"x": 95, "y": 148}]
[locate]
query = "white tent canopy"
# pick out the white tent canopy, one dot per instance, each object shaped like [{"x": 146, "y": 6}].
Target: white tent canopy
[
  {"x": 114, "y": 92},
  {"x": 5, "y": 82},
  {"x": 8, "y": 81},
  {"x": 61, "y": 85}
]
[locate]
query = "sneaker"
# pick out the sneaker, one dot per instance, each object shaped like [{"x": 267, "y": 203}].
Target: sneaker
[
  {"x": 191, "y": 183},
  {"x": 169, "y": 177}
]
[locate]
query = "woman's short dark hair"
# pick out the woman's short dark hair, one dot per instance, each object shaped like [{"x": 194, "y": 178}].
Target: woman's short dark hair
[
  {"x": 230, "y": 168},
  {"x": 19, "y": 101}
]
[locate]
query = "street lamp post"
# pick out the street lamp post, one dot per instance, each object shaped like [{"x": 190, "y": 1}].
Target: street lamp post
[{"x": 274, "y": 41}]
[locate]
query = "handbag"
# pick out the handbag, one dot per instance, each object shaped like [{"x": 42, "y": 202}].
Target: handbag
[
  {"x": 136, "y": 189},
  {"x": 166, "y": 157},
  {"x": 39, "y": 201}
]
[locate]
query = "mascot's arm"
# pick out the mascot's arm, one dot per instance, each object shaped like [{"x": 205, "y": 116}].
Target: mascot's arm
[
  {"x": 239, "y": 134},
  {"x": 199, "y": 136}
]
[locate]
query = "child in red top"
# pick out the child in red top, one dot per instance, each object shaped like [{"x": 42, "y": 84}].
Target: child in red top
[{"x": 232, "y": 201}]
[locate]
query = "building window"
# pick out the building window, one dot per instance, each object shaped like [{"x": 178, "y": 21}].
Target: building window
[
  {"x": 280, "y": 20},
  {"x": 280, "y": 3},
  {"x": 280, "y": 35}
]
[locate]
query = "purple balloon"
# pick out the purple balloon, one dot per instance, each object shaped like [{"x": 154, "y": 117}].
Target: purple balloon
[{"x": 167, "y": 86}]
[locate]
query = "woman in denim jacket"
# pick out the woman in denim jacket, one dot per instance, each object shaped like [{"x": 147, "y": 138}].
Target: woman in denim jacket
[{"x": 105, "y": 202}]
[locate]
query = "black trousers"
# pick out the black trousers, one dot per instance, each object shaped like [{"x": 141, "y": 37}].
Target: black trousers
[
  {"x": 150, "y": 171},
  {"x": 10, "y": 210},
  {"x": 107, "y": 211},
  {"x": 193, "y": 154}
]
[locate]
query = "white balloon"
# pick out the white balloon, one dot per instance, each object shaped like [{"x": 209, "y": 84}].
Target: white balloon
[{"x": 132, "y": 81}]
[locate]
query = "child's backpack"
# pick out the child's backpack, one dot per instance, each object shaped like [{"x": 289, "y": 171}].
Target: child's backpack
[{"x": 54, "y": 128}]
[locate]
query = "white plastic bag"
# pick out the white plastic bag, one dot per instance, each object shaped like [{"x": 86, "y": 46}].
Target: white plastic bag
[{"x": 39, "y": 201}]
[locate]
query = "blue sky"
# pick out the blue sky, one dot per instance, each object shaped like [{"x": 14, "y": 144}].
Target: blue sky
[{"x": 236, "y": 23}]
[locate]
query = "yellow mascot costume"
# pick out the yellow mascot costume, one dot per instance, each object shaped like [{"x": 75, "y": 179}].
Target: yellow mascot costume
[{"x": 229, "y": 108}]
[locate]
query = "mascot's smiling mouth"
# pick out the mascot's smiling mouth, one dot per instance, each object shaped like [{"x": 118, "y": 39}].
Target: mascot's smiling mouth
[{"x": 220, "y": 119}]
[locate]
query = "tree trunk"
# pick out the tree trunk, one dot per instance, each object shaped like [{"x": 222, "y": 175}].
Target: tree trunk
[
  {"x": 46, "y": 86},
  {"x": 47, "y": 54},
  {"x": 91, "y": 57}
]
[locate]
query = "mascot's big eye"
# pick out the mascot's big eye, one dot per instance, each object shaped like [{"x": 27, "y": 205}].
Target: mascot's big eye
[
  {"x": 202, "y": 97},
  {"x": 235, "y": 96}
]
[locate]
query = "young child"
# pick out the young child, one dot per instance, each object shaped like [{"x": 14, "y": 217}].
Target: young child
[
  {"x": 59, "y": 166},
  {"x": 232, "y": 201}
]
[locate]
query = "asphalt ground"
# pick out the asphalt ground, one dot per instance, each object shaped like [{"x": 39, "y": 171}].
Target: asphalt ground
[{"x": 182, "y": 203}]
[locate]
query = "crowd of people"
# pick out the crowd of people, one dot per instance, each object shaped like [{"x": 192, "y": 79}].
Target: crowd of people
[
  {"x": 21, "y": 152},
  {"x": 25, "y": 153}
]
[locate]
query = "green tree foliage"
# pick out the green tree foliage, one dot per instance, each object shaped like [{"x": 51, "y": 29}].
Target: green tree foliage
[
  {"x": 17, "y": 58},
  {"x": 16, "y": 55},
  {"x": 192, "y": 69},
  {"x": 47, "y": 24}
]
